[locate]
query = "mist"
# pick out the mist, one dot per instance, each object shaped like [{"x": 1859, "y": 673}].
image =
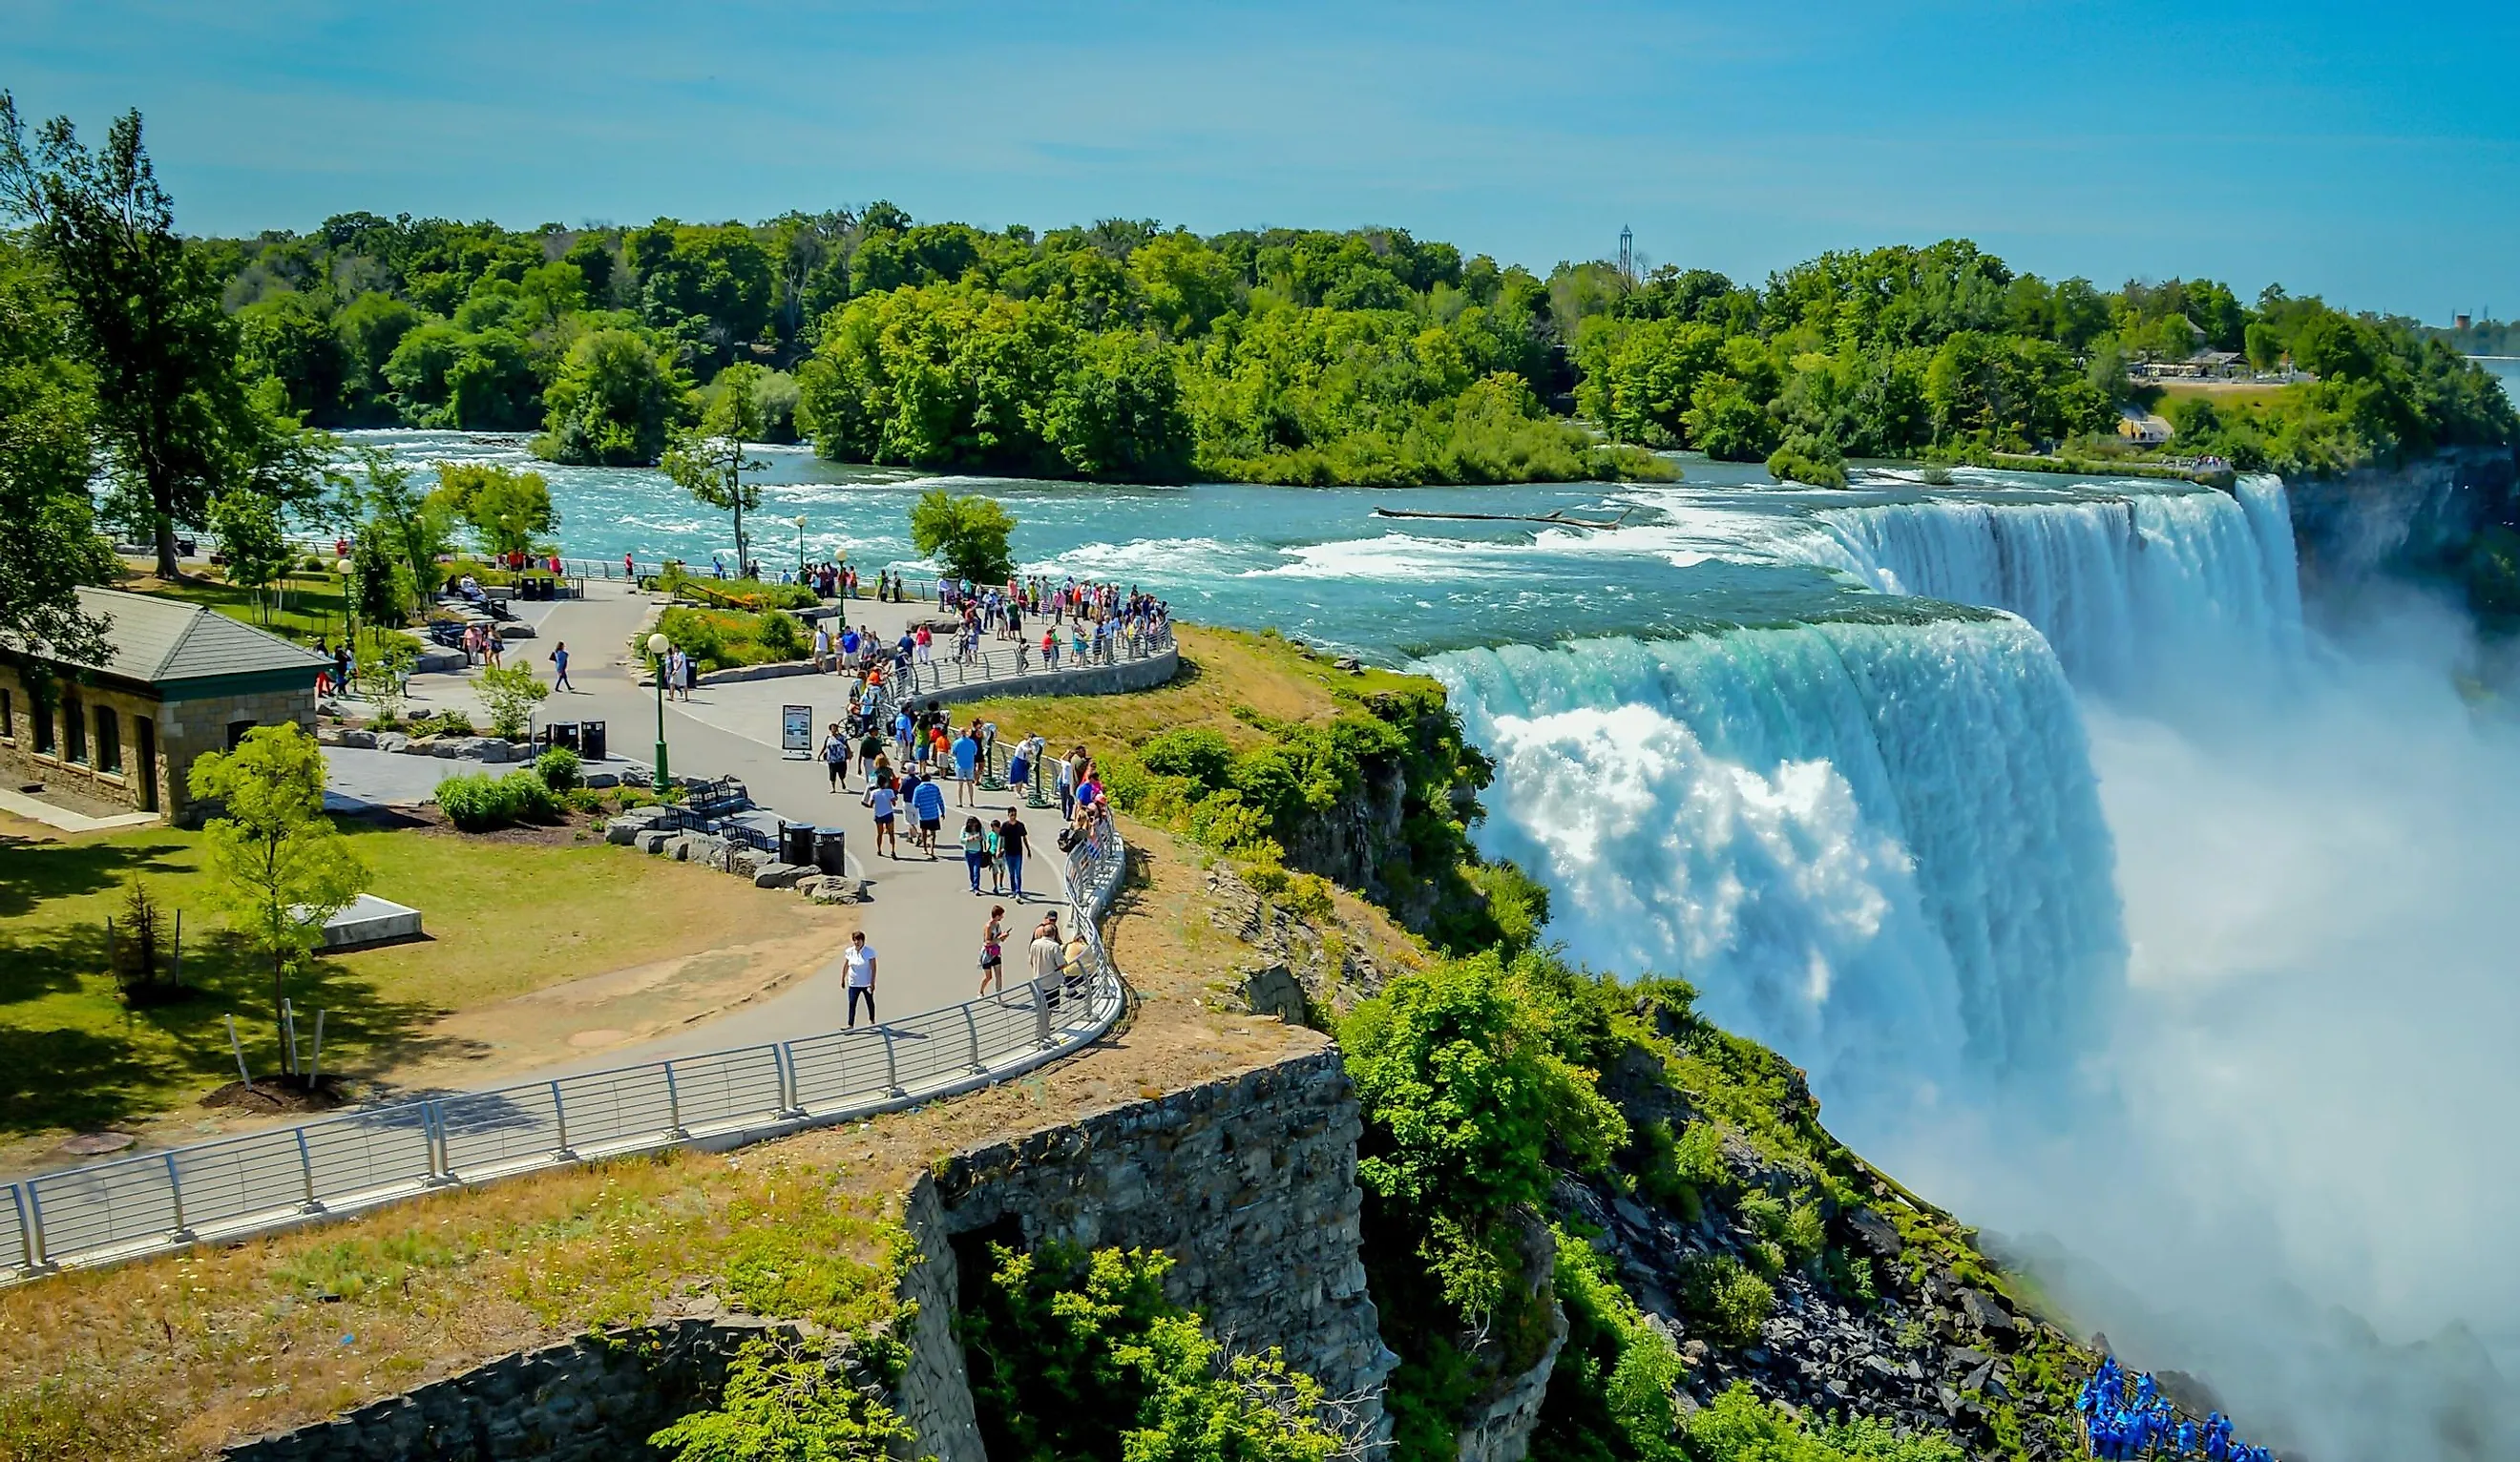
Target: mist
[{"x": 2293, "y": 1174}]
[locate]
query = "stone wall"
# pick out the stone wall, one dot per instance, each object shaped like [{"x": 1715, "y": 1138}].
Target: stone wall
[
  {"x": 1249, "y": 1182},
  {"x": 94, "y": 704},
  {"x": 595, "y": 1398},
  {"x": 189, "y": 728},
  {"x": 1100, "y": 679}
]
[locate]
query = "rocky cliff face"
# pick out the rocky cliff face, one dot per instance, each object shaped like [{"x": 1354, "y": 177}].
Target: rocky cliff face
[{"x": 2417, "y": 519}]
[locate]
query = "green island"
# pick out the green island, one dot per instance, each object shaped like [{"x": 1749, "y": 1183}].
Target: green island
[{"x": 1128, "y": 351}]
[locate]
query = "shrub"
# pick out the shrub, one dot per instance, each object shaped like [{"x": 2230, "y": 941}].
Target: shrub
[
  {"x": 558, "y": 767},
  {"x": 1194, "y": 752},
  {"x": 1726, "y": 1299},
  {"x": 1081, "y": 1355},
  {"x": 480, "y": 802},
  {"x": 511, "y": 692},
  {"x": 779, "y": 635},
  {"x": 785, "y": 1405}
]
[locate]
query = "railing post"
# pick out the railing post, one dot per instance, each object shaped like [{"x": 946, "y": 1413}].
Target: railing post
[
  {"x": 892, "y": 1068},
  {"x": 306, "y": 1175},
  {"x": 673, "y": 1104},
  {"x": 971, "y": 1026},
  {"x": 33, "y": 1218},
  {"x": 433, "y": 1131},
  {"x": 26, "y": 1249},
  {"x": 560, "y": 1116},
  {"x": 175, "y": 1192},
  {"x": 792, "y": 1091}
]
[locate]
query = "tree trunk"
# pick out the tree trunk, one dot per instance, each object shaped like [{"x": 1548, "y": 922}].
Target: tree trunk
[
  {"x": 279, "y": 994},
  {"x": 169, "y": 566}
]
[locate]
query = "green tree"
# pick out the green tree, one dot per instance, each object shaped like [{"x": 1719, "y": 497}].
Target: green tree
[
  {"x": 46, "y": 415},
  {"x": 1118, "y": 415},
  {"x": 147, "y": 310},
  {"x": 968, "y": 534},
  {"x": 411, "y": 528},
  {"x": 279, "y": 868},
  {"x": 615, "y": 402},
  {"x": 253, "y": 542},
  {"x": 708, "y": 461},
  {"x": 508, "y": 507}
]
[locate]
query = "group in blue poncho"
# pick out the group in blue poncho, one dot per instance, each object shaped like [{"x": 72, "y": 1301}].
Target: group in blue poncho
[{"x": 2125, "y": 1416}]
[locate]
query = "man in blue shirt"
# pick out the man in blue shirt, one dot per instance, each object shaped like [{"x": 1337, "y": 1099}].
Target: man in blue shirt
[
  {"x": 967, "y": 769},
  {"x": 927, "y": 799}
]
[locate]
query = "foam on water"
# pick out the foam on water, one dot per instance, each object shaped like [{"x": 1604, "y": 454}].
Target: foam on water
[{"x": 1878, "y": 847}]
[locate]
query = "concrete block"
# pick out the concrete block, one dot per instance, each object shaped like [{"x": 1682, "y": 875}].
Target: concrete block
[
  {"x": 654, "y": 843},
  {"x": 370, "y": 921},
  {"x": 599, "y": 780}
]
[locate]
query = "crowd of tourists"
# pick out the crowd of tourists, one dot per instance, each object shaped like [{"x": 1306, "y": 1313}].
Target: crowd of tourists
[
  {"x": 2125, "y": 1416},
  {"x": 918, "y": 767}
]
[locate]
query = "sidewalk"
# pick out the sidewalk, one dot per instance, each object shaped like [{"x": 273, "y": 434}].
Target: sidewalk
[{"x": 921, "y": 917}]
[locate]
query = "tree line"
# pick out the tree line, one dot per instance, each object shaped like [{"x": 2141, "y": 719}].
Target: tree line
[{"x": 1944, "y": 350}]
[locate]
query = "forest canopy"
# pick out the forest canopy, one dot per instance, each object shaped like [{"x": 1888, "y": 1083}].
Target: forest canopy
[{"x": 1124, "y": 350}]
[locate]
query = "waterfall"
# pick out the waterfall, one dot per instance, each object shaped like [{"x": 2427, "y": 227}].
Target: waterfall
[
  {"x": 1878, "y": 847},
  {"x": 2136, "y": 593}
]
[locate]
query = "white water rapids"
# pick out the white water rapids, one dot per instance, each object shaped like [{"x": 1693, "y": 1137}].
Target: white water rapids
[{"x": 2120, "y": 920}]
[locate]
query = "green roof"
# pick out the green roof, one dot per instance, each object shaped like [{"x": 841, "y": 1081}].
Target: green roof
[{"x": 167, "y": 641}]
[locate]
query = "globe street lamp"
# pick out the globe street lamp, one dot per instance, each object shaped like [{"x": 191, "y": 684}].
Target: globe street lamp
[
  {"x": 800, "y": 547},
  {"x": 658, "y": 644}
]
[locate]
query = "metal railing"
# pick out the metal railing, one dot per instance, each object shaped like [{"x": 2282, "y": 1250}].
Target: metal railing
[
  {"x": 916, "y": 679},
  {"x": 237, "y": 1187}
]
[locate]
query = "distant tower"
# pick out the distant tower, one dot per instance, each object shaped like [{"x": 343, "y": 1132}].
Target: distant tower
[
  {"x": 1627, "y": 253},
  {"x": 2461, "y": 321}
]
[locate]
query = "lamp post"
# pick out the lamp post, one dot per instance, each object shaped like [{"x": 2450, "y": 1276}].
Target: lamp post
[
  {"x": 658, "y": 644},
  {"x": 800, "y": 547}
]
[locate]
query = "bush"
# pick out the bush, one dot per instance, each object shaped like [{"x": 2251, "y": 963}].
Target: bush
[
  {"x": 511, "y": 692},
  {"x": 720, "y": 639},
  {"x": 1726, "y": 1301},
  {"x": 1194, "y": 752},
  {"x": 558, "y": 767},
  {"x": 1081, "y": 1355},
  {"x": 480, "y": 802},
  {"x": 1808, "y": 459}
]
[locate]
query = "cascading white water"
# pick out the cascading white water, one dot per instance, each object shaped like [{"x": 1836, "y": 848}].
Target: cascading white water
[
  {"x": 1876, "y": 846},
  {"x": 2135, "y": 593}
]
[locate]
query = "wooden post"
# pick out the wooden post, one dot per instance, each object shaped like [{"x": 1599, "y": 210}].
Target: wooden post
[{"x": 237, "y": 1046}]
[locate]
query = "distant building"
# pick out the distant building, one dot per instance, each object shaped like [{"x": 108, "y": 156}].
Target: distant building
[
  {"x": 2458, "y": 322},
  {"x": 2142, "y": 427},
  {"x": 177, "y": 681}
]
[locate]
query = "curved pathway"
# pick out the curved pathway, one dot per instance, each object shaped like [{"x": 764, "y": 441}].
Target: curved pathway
[{"x": 920, "y": 915}]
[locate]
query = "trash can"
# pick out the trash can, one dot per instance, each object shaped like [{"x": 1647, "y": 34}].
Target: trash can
[
  {"x": 590, "y": 740},
  {"x": 796, "y": 844},
  {"x": 829, "y": 850},
  {"x": 561, "y": 733}
]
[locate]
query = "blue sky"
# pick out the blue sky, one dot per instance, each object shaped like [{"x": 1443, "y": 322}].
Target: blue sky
[{"x": 2367, "y": 153}]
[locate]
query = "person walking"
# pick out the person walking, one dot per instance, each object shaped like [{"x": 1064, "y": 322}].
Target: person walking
[
  {"x": 560, "y": 666},
  {"x": 1044, "y": 959},
  {"x": 835, "y": 758},
  {"x": 993, "y": 952},
  {"x": 1013, "y": 839},
  {"x": 857, "y": 972},
  {"x": 927, "y": 800},
  {"x": 975, "y": 851},
  {"x": 886, "y": 802},
  {"x": 997, "y": 861}
]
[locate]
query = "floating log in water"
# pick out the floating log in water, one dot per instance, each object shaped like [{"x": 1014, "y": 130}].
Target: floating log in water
[{"x": 1556, "y": 520}]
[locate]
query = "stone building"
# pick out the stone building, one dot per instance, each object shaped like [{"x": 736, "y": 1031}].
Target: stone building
[{"x": 179, "y": 680}]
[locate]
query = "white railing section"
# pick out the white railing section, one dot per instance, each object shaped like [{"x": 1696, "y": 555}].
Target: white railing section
[{"x": 237, "y": 1187}]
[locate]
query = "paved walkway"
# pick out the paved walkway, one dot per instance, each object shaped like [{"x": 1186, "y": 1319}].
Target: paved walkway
[{"x": 921, "y": 917}]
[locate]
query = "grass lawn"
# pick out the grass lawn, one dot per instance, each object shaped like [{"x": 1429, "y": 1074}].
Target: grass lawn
[
  {"x": 1220, "y": 670},
  {"x": 503, "y": 918},
  {"x": 311, "y": 604}
]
